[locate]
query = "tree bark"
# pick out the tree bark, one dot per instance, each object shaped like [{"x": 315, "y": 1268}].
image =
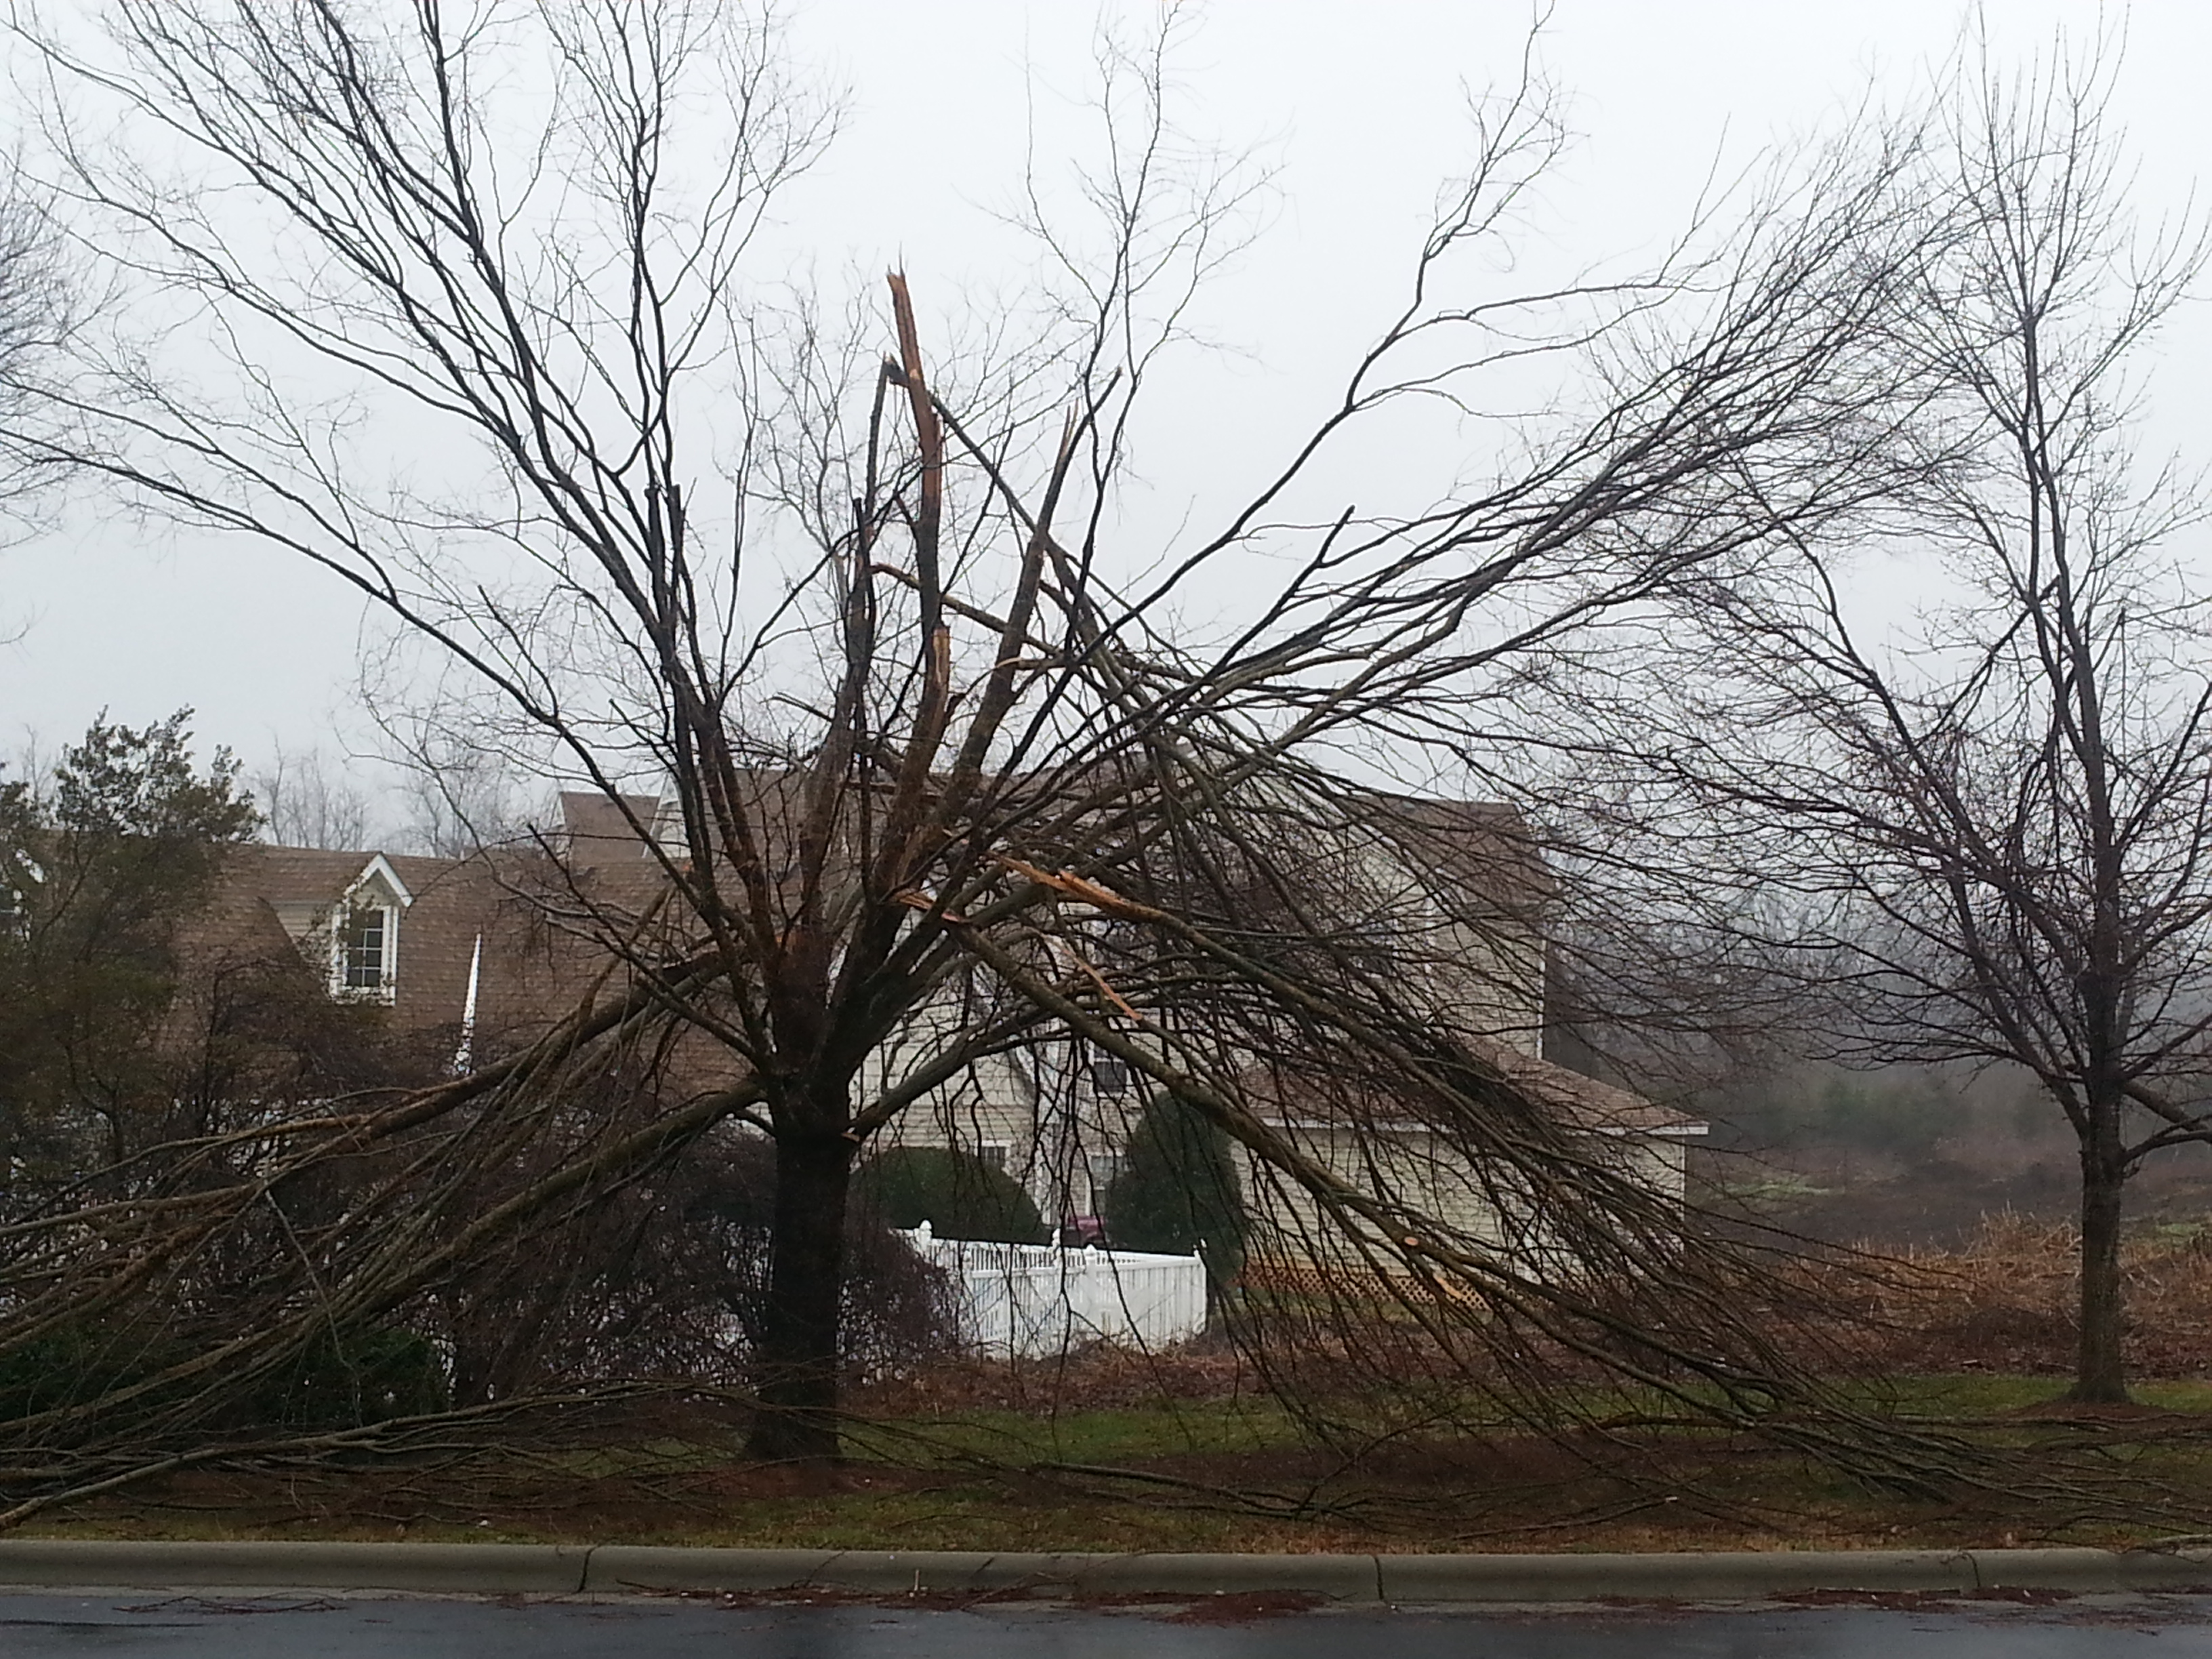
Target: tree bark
[
  {"x": 2100, "y": 1373},
  {"x": 795, "y": 1367}
]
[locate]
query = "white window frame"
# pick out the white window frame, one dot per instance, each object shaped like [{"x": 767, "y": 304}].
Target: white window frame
[
  {"x": 377, "y": 888},
  {"x": 1101, "y": 1170}
]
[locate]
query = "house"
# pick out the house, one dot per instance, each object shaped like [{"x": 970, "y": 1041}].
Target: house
[
  {"x": 473, "y": 953},
  {"x": 1453, "y": 895}
]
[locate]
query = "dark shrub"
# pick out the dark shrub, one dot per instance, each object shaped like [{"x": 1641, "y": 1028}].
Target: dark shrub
[
  {"x": 668, "y": 1277},
  {"x": 370, "y": 1376},
  {"x": 72, "y": 1365},
  {"x": 959, "y": 1196},
  {"x": 1177, "y": 1192}
]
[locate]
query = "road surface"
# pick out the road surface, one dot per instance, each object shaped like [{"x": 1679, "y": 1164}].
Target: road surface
[{"x": 44, "y": 1625}]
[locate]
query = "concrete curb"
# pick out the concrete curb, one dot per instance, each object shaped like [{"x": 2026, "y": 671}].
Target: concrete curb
[
  {"x": 488, "y": 1568},
  {"x": 615, "y": 1569},
  {"x": 1687, "y": 1576}
]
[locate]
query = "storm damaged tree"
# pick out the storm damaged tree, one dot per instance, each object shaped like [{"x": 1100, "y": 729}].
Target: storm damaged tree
[
  {"x": 941, "y": 772},
  {"x": 1979, "y": 837}
]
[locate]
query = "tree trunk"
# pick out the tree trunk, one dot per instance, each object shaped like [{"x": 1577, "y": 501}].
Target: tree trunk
[
  {"x": 795, "y": 1368},
  {"x": 2099, "y": 1374}
]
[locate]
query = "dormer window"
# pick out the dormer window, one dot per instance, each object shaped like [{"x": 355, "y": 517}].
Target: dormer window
[{"x": 363, "y": 929}]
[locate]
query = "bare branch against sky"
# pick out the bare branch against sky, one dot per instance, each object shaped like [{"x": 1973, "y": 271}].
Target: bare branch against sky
[
  {"x": 1362, "y": 116},
  {"x": 43, "y": 295}
]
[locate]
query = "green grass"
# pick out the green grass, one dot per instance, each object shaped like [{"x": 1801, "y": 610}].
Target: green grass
[
  {"x": 1980, "y": 1394},
  {"x": 1778, "y": 1187},
  {"x": 2167, "y": 1235},
  {"x": 955, "y": 1518},
  {"x": 1172, "y": 1428}
]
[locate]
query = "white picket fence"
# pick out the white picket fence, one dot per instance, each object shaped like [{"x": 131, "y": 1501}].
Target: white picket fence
[{"x": 1025, "y": 1301}]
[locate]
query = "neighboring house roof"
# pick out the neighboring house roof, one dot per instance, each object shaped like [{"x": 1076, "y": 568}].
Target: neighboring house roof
[
  {"x": 530, "y": 972},
  {"x": 597, "y": 830},
  {"x": 1589, "y": 1102},
  {"x": 1565, "y": 1097},
  {"x": 1488, "y": 848},
  {"x": 451, "y": 902}
]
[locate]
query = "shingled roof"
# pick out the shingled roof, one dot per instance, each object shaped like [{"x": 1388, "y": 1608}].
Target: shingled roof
[
  {"x": 263, "y": 892},
  {"x": 1587, "y": 1103}
]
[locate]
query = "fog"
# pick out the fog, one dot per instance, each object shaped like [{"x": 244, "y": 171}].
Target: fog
[{"x": 1358, "y": 112}]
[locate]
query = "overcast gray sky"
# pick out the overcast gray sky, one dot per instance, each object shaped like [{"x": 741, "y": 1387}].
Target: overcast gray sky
[{"x": 1361, "y": 105}]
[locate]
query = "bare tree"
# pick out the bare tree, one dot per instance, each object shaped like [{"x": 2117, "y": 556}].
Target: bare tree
[
  {"x": 37, "y": 304},
  {"x": 944, "y": 774},
  {"x": 306, "y": 802},
  {"x": 40, "y": 304},
  {"x": 462, "y": 800},
  {"x": 1984, "y": 839}
]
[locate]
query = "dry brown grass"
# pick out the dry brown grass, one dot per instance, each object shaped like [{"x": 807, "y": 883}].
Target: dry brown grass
[{"x": 2004, "y": 1301}]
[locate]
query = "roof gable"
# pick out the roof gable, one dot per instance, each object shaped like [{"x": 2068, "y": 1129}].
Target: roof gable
[{"x": 378, "y": 871}]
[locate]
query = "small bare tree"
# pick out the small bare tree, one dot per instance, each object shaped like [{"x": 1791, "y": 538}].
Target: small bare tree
[{"x": 1986, "y": 842}]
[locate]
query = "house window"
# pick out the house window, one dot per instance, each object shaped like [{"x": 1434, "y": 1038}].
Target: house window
[
  {"x": 1109, "y": 1076},
  {"x": 1104, "y": 1169},
  {"x": 364, "y": 949},
  {"x": 993, "y": 1153}
]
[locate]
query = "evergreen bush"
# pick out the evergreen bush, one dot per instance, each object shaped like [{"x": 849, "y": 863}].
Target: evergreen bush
[
  {"x": 960, "y": 1196},
  {"x": 1177, "y": 1192}
]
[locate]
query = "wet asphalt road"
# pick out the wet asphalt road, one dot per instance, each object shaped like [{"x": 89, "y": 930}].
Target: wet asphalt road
[{"x": 34, "y": 1626}]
